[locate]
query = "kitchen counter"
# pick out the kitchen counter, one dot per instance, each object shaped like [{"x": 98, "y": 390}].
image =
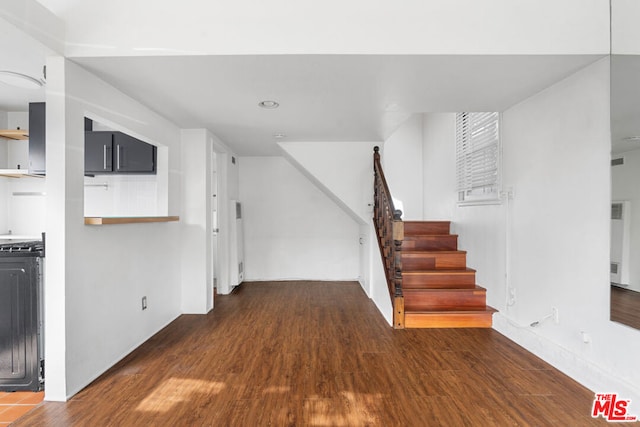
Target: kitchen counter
[
  {"x": 128, "y": 220},
  {"x": 22, "y": 237}
]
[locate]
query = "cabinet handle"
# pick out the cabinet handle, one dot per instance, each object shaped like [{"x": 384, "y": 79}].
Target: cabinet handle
[
  {"x": 104, "y": 157},
  {"x": 118, "y": 157}
]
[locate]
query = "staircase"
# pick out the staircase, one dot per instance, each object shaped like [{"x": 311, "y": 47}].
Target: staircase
[
  {"x": 428, "y": 279},
  {"x": 439, "y": 289}
]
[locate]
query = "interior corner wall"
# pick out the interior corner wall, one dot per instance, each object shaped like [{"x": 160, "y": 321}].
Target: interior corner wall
[
  {"x": 343, "y": 170},
  {"x": 550, "y": 242},
  {"x": 292, "y": 229},
  {"x": 439, "y": 154},
  {"x": 197, "y": 273},
  {"x": 625, "y": 31},
  {"x": 4, "y": 155},
  {"x": 96, "y": 275},
  {"x": 402, "y": 163},
  {"x": 557, "y": 160}
]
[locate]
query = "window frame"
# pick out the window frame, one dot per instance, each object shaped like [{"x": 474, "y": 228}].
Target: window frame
[{"x": 478, "y": 148}]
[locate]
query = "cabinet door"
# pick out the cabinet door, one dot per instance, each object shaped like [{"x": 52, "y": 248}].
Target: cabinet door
[
  {"x": 18, "y": 323},
  {"x": 133, "y": 155},
  {"x": 98, "y": 152},
  {"x": 37, "y": 138}
]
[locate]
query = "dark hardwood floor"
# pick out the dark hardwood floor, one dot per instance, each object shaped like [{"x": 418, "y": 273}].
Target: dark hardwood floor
[
  {"x": 625, "y": 306},
  {"x": 320, "y": 354}
]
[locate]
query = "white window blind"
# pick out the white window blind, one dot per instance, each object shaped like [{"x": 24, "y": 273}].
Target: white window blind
[{"x": 478, "y": 157}]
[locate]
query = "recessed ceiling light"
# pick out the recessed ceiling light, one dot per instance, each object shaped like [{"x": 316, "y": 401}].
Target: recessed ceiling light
[
  {"x": 270, "y": 105},
  {"x": 20, "y": 80}
]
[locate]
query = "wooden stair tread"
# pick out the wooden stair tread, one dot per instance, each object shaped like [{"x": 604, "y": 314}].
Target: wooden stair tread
[
  {"x": 439, "y": 278},
  {"x": 427, "y": 235},
  {"x": 453, "y": 318},
  {"x": 476, "y": 288},
  {"x": 431, "y": 252},
  {"x": 466, "y": 270},
  {"x": 427, "y": 222},
  {"x": 445, "y": 299},
  {"x": 485, "y": 309},
  {"x": 431, "y": 242},
  {"x": 427, "y": 227},
  {"x": 434, "y": 259}
]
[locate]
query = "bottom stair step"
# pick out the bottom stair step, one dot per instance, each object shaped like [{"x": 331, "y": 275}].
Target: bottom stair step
[{"x": 450, "y": 318}]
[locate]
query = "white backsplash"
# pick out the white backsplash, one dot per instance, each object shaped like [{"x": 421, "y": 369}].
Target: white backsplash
[
  {"x": 22, "y": 206},
  {"x": 121, "y": 195}
]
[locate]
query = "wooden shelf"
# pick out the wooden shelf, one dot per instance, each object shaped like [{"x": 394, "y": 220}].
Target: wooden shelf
[
  {"x": 128, "y": 220},
  {"x": 18, "y": 173},
  {"x": 19, "y": 134}
]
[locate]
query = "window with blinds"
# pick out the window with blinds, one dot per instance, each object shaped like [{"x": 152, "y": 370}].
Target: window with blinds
[{"x": 478, "y": 157}]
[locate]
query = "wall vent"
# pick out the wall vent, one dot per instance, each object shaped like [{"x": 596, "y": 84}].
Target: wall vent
[
  {"x": 617, "y": 162},
  {"x": 614, "y": 267},
  {"x": 616, "y": 211}
]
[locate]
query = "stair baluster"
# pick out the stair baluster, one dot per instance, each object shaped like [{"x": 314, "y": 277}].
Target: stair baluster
[{"x": 390, "y": 232}]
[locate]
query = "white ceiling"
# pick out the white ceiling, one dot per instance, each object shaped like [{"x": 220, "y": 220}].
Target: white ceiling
[
  {"x": 21, "y": 54},
  {"x": 324, "y": 97}
]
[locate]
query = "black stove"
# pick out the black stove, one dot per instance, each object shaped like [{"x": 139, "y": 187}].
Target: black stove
[{"x": 31, "y": 248}]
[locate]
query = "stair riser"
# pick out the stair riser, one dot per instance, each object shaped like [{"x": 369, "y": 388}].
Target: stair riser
[
  {"x": 428, "y": 280},
  {"x": 426, "y": 227},
  {"x": 427, "y": 300},
  {"x": 419, "y": 261},
  {"x": 448, "y": 320},
  {"x": 428, "y": 243}
]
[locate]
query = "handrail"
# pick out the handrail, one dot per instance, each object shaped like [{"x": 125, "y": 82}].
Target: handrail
[{"x": 389, "y": 227}]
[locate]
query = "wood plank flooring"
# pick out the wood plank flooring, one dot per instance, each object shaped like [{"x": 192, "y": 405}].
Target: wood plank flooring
[
  {"x": 15, "y": 404},
  {"x": 625, "y": 306},
  {"x": 320, "y": 354}
]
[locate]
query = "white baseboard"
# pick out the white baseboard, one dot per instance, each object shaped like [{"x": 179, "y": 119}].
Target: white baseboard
[{"x": 580, "y": 369}]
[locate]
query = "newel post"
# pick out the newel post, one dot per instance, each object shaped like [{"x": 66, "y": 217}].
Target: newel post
[{"x": 398, "y": 300}]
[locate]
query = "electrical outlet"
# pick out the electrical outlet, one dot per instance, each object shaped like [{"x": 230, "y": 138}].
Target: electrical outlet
[
  {"x": 555, "y": 315},
  {"x": 144, "y": 303},
  {"x": 512, "y": 297}
]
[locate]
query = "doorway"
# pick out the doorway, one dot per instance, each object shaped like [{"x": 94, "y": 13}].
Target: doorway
[{"x": 215, "y": 230}]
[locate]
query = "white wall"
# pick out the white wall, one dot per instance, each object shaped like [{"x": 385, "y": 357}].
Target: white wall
[
  {"x": 96, "y": 276},
  {"x": 4, "y": 154},
  {"x": 342, "y": 170},
  {"x": 121, "y": 195},
  {"x": 23, "y": 214},
  {"x": 551, "y": 241},
  {"x": 624, "y": 186},
  {"x": 196, "y": 256},
  {"x": 36, "y": 20},
  {"x": 372, "y": 275},
  {"x": 556, "y": 156},
  {"x": 333, "y": 26},
  {"x": 625, "y": 32},
  {"x": 293, "y": 230},
  {"x": 402, "y": 163}
]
